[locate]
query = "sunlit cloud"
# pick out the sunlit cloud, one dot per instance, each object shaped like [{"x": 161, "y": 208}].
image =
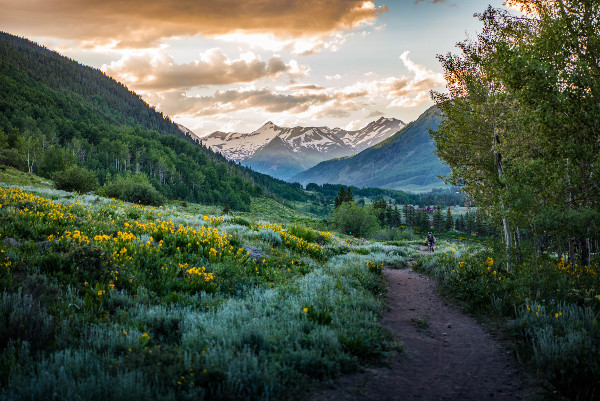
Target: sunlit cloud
[
  {"x": 158, "y": 71},
  {"x": 307, "y": 101},
  {"x": 306, "y": 26}
]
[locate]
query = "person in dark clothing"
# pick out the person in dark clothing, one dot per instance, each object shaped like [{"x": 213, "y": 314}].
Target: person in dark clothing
[{"x": 430, "y": 241}]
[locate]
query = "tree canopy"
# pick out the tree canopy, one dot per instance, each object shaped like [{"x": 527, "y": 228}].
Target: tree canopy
[{"x": 521, "y": 124}]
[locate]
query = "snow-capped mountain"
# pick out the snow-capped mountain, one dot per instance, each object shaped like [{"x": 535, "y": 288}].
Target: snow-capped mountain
[
  {"x": 283, "y": 152},
  {"x": 373, "y": 133},
  {"x": 236, "y": 146},
  {"x": 405, "y": 161}
]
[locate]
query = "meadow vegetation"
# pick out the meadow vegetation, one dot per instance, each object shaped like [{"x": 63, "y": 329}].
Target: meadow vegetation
[{"x": 107, "y": 299}]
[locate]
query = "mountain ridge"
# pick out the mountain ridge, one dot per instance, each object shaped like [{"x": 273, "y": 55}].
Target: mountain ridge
[
  {"x": 302, "y": 147},
  {"x": 404, "y": 161}
]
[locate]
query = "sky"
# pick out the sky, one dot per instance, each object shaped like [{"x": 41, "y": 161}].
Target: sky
[{"x": 232, "y": 65}]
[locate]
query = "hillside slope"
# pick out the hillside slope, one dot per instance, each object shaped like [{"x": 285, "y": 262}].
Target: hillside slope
[
  {"x": 55, "y": 112},
  {"x": 405, "y": 161}
]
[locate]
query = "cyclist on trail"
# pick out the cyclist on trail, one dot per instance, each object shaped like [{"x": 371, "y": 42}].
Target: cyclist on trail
[{"x": 430, "y": 241}]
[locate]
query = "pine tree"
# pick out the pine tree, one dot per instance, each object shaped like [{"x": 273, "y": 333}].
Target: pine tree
[
  {"x": 349, "y": 196},
  {"x": 462, "y": 223},
  {"x": 422, "y": 220},
  {"x": 438, "y": 219},
  {"x": 340, "y": 198},
  {"x": 469, "y": 223},
  {"x": 448, "y": 223},
  {"x": 396, "y": 219}
]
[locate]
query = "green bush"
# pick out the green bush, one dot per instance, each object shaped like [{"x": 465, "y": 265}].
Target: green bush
[
  {"x": 355, "y": 220},
  {"x": 76, "y": 179},
  {"x": 134, "y": 189},
  {"x": 305, "y": 233}
]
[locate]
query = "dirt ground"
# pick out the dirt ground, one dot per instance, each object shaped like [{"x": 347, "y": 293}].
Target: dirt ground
[{"x": 447, "y": 355}]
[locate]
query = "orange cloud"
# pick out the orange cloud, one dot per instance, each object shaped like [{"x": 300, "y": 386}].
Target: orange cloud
[
  {"x": 135, "y": 24},
  {"x": 313, "y": 101},
  {"x": 158, "y": 71}
]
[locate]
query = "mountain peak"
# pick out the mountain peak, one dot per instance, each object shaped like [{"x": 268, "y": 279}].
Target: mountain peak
[{"x": 304, "y": 146}]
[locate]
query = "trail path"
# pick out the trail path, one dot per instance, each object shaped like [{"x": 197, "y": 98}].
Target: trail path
[{"x": 447, "y": 355}]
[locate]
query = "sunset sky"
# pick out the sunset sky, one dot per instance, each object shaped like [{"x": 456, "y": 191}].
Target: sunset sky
[{"x": 233, "y": 65}]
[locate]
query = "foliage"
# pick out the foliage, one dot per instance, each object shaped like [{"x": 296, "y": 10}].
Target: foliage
[
  {"x": 134, "y": 189},
  {"x": 76, "y": 179},
  {"x": 344, "y": 195},
  {"x": 102, "y": 298},
  {"x": 355, "y": 220},
  {"x": 305, "y": 233},
  {"x": 520, "y": 123},
  {"x": 55, "y": 113}
]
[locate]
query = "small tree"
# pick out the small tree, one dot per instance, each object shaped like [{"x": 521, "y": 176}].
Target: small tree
[
  {"x": 422, "y": 220},
  {"x": 133, "y": 188},
  {"x": 76, "y": 179},
  {"x": 448, "y": 223},
  {"x": 349, "y": 195},
  {"x": 469, "y": 223},
  {"x": 340, "y": 198},
  {"x": 354, "y": 220},
  {"x": 380, "y": 208},
  {"x": 395, "y": 218},
  {"x": 438, "y": 219},
  {"x": 343, "y": 196}
]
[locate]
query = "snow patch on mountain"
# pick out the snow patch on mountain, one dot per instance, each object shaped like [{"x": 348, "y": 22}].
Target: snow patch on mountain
[{"x": 337, "y": 142}]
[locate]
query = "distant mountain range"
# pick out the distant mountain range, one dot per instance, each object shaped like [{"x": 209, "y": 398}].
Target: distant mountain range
[
  {"x": 284, "y": 152},
  {"x": 405, "y": 161}
]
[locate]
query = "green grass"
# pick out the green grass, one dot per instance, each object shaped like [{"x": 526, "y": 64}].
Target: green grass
[
  {"x": 270, "y": 210},
  {"x": 12, "y": 176},
  {"x": 102, "y": 299}
]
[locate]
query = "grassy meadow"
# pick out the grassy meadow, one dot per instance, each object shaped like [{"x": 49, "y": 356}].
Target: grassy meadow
[{"x": 103, "y": 299}]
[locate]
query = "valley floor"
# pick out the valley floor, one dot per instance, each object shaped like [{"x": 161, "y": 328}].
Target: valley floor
[{"x": 447, "y": 355}]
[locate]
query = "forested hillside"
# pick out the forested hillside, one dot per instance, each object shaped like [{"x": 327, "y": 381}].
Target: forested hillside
[{"x": 55, "y": 113}]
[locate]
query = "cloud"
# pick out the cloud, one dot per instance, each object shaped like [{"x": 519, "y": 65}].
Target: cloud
[
  {"x": 307, "y": 87},
  {"x": 374, "y": 114},
  {"x": 306, "y": 100},
  {"x": 131, "y": 24},
  {"x": 157, "y": 71},
  {"x": 222, "y": 102},
  {"x": 430, "y": 1}
]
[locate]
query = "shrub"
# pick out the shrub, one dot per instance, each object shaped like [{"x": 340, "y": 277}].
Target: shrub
[
  {"x": 305, "y": 233},
  {"x": 269, "y": 236},
  {"x": 76, "y": 179},
  {"x": 134, "y": 189},
  {"x": 352, "y": 219}
]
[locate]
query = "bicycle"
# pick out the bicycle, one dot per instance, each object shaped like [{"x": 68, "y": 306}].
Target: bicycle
[{"x": 430, "y": 247}]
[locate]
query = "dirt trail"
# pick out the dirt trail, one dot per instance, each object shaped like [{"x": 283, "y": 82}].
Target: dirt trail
[{"x": 447, "y": 355}]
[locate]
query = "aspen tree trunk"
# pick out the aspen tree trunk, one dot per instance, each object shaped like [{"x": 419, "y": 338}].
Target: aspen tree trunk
[
  {"x": 505, "y": 223},
  {"x": 572, "y": 251},
  {"x": 585, "y": 252}
]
